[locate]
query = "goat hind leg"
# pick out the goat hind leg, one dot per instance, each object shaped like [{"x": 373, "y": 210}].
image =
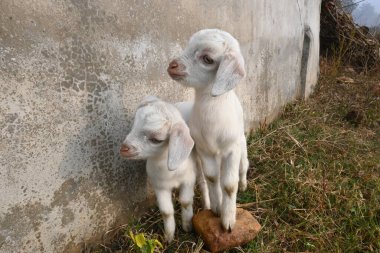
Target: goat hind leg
[
  {"x": 186, "y": 195},
  {"x": 201, "y": 181},
  {"x": 244, "y": 164},
  {"x": 211, "y": 170}
]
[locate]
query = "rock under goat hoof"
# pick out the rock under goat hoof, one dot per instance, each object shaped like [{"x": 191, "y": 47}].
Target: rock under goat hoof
[{"x": 209, "y": 227}]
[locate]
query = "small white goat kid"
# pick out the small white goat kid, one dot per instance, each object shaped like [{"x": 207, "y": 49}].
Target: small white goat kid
[
  {"x": 160, "y": 135},
  {"x": 213, "y": 64}
]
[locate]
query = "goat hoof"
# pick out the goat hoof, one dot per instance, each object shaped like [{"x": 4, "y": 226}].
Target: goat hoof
[
  {"x": 169, "y": 237},
  {"x": 216, "y": 211},
  {"x": 242, "y": 186},
  {"x": 228, "y": 222},
  {"x": 187, "y": 227}
]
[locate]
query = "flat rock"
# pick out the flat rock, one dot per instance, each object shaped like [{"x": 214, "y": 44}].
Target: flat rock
[{"x": 209, "y": 227}]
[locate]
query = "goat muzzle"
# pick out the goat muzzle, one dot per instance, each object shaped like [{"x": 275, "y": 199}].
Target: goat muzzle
[
  {"x": 127, "y": 150},
  {"x": 176, "y": 70}
]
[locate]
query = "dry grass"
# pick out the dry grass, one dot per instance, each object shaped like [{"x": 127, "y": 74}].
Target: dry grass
[
  {"x": 316, "y": 177},
  {"x": 323, "y": 170}
]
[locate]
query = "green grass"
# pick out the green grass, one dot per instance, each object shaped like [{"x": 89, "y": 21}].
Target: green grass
[
  {"x": 314, "y": 181},
  {"x": 322, "y": 173}
]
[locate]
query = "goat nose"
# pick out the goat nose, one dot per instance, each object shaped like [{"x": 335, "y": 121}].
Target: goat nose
[
  {"x": 124, "y": 147},
  {"x": 173, "y": 64},
  {"x": 127, "y": 150}
]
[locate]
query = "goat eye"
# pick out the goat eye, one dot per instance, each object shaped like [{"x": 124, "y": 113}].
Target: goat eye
[
  {"x": 207, "y": 59},
  {"x": 155, "y": 141}
]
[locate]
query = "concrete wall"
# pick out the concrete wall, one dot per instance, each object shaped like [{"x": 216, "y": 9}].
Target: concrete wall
[{"x": 71, "y": 75}]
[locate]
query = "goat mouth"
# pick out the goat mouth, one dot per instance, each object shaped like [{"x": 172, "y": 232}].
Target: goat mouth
[
  {"x": 128, "y": 155},
  {"x": 177, "y": 76}
]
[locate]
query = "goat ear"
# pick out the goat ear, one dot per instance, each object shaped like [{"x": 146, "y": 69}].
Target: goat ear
[
  {"x": 180, "y": 145},
  {"x": 147, "y": 100},
  {"x": 230, "y": 72}
]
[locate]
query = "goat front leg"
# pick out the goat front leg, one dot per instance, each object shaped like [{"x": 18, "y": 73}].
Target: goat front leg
[
  {"x": 211, "y": 170},
  {"x": 229, "y": 182},
  {"x": 165, "y": 204},
  {"x": 186, "y": 195},
  {"x": 244, "y": 164}
]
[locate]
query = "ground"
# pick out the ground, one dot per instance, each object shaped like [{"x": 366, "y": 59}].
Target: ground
[{"x": 314, "y": 181}]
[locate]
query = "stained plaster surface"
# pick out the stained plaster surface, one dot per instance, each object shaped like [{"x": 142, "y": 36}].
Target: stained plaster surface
[{"x": 71, "y": 76}]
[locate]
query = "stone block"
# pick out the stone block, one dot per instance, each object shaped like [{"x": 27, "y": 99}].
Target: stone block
[{"x": 209, "y": 227}]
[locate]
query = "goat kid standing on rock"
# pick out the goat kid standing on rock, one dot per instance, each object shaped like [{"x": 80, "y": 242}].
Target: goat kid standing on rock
[
  {"x": 213, "y": 65},
  {"x": 160, "y": 135}
]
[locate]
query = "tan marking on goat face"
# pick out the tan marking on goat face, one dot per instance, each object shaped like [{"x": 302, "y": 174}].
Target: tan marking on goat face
[{"x": 161, "y": 133}]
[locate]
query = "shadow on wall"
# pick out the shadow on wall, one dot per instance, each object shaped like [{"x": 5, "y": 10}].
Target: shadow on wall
[
  {"x": 92, "y": 167},
  {"x": 306, "y": 46},
  {"x": 93, "y": 187}
]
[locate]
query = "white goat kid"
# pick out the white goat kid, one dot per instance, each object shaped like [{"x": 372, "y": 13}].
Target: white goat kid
[
  {"x": 160, "y": 135},
  {"x": 213, "y": 64},
  {"x": 185, "y": 109}
]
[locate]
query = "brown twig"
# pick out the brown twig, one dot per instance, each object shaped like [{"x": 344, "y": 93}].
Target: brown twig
[{"x": 251, "y": 204}]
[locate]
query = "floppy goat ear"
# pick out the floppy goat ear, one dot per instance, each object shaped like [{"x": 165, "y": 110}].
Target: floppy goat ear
[
  {"x": 230, "y": 72},
  {"x": 180, "y": 145}
]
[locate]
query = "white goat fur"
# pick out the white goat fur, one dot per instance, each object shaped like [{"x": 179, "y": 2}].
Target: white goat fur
[
  {"x": 216, "y": 121},
  {"x": 171, "y": 163}
]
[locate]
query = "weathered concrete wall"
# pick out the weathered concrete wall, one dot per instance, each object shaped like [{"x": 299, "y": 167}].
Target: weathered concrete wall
[{"x": 71, "y": 75}]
